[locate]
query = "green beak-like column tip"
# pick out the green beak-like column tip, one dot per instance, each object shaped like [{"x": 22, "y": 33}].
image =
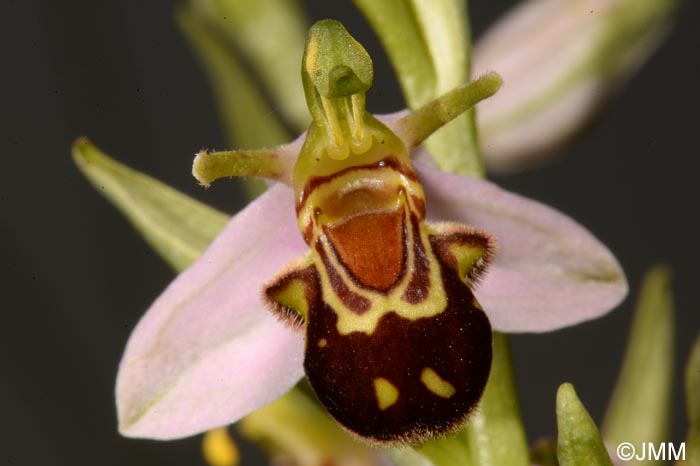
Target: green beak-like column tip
[
  {"x": 335, "y": 64},
  {"x": 337, "y": 72}
]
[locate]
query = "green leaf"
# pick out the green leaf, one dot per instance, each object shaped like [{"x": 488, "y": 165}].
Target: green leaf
[
  {"x": 640, "y": 407},
  {"x": 428, "y": 44},
  {"x": 178, "y": 227},
  {"x": 270, "y": 34},
  {"x": 692, "y": 401},
  {"x": 579, "y": 442}
]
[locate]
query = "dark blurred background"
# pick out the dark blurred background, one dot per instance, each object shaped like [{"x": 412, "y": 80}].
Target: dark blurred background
[{"x": 75, "y": 277}]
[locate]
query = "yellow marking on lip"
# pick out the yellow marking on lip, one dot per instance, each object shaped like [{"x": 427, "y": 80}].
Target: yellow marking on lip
[
  {"x": 436, "y": 384},
  {"x": 381, "y": 304},
  {"x": 387, "y": 394},
  {"x": 322, "y": 343},
  {"x": 382, "y": 178}
]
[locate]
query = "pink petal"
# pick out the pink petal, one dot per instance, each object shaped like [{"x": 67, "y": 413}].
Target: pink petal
[
  {"x": 208, "y": 352},
  {"x": 549, "y": 272}
]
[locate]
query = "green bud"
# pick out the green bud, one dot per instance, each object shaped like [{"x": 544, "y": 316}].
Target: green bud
[{"x": 579, "y": 442}]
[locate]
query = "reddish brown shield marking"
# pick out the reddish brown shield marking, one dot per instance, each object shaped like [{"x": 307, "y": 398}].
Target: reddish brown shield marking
[{"x": 372, "y": 248}]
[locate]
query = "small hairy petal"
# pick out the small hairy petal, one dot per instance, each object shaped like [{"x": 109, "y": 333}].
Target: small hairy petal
[
  {"x": 208, "y": 352},
  {"x": 548, "y": 271}
]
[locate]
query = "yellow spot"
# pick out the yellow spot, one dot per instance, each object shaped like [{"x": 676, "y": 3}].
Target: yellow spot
[
  {"x": 219, "y": 449},
  {"x": 322, "y": 343},
  {"x": 436, "y": 384},
  {"x": 386, "y": 393}
]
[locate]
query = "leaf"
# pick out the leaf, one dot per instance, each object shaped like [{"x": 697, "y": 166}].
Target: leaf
[
  {"x": 178, "y": 227},
  {"x": 640, "y": 407}
]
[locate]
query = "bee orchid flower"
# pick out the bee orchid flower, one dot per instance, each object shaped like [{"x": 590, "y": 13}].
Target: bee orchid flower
[{"x": 370, "y": 260}]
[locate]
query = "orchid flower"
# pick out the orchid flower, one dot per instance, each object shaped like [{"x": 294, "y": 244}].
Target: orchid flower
[{"x": 209, "y": 351}]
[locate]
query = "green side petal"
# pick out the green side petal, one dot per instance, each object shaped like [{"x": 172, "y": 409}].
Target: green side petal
[
  {"x": 428, "y": 44},
  {"x": 178, "y": 227},
  {"x": 692, "y": 401},
  {"x": 248, "y": 120},
  {"x": 579, "y": 442},
  {"x": 640, "y": 407},
  {"x": 266, "y": 163},
  {"x": 436, "y": 114}
]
